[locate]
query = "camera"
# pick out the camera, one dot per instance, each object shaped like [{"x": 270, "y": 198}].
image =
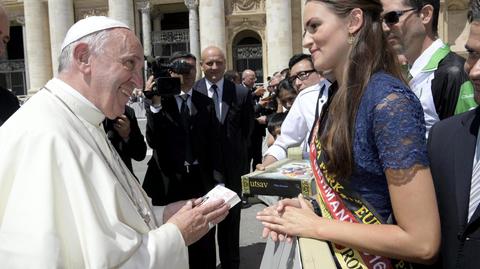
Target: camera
[{"x": 166, "y": 85}]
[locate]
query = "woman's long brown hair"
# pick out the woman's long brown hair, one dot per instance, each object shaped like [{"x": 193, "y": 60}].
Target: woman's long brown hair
[{"x": 370, "y": 53}]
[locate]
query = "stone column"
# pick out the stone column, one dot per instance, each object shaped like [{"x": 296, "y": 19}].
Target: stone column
[
  {"x": 38, "y": 44},
  {"x": 279, "y": 34},
  {"x": 60, "y": 18},
  {"x": 157, "y": 22},
  {"x": 146, "y": 27},
  {"x": 302, "y": 4},
  {"x": 192, "y": 6},
  {"x": 212, "y": 24},
  {"x": 122, "y": 10}
]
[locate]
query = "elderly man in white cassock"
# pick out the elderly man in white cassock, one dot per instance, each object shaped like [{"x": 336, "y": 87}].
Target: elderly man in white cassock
[{"x": 66, "y": 198}]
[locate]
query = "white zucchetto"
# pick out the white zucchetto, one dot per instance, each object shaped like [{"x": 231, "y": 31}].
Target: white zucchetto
[{"x": 89, "y": 26}]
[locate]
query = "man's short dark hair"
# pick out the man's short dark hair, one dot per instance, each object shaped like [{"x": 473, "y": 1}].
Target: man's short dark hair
[
  {"x": 285, "y": 85},
  {"x": 181, "y": 54},
  {"x": 276, "y": 121},
  {"x": 418, "y": 4},
  {"x": 474, "y": 11},
  {"x": 299, "y": 57}
]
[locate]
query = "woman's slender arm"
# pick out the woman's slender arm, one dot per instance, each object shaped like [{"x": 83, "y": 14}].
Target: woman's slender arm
[{"x": 415, "y": 238}]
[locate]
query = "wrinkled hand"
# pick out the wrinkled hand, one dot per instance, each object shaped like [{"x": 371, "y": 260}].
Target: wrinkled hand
[
  {"x": 172, "y": 208},
  {"x": 294, "y": 217},
  {"x": 122, "y": 126},
  {"x": 264, "y": 103},
  {"x": 193, "y": 222},
  {"x": 260, "y": 91}
]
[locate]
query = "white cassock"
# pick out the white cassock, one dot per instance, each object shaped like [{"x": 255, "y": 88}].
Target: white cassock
[{"x": 65, "y": 199}]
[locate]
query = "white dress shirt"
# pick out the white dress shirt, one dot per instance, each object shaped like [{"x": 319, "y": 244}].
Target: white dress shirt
[
  {"x": 475, "y": 183},
  {"x": 421, "y": 83},
  {"x": 179, "y": 100},
  {"x": 210, "y": 92},
  {"x": 300, "y": 120}
]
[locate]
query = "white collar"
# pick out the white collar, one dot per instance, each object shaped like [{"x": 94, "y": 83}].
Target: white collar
[
  {"x": 218, "y": 83},
  {"x": 425, "y": 57},
  {"x": 79, "y": 105},
  {"x": 182, "y": 93}
]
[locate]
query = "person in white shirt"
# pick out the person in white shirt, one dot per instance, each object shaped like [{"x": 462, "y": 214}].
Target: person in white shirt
[
  {"x": 299, "y": 121},
  {"x": 436, "y": 74},
  {"x": 66, "y": 198}
]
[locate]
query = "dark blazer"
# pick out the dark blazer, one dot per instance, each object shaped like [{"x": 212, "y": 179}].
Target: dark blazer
[
  {"x": 166, "y": 136},
  {"x": 135, "y": 148},
  {"x": 451, "y": 147},
  {"x": 232, "y": 135},
  {"x": 8, "y": 105}
]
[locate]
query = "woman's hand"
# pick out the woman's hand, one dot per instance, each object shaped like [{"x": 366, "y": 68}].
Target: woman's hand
[{"x": 290, "y": 217}]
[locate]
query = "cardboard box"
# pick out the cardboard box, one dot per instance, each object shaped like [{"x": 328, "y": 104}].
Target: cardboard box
[{"x": 285, "y": 178}]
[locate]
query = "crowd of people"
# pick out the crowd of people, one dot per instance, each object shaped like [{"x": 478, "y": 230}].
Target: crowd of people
[{"x": 384, "y": 111}]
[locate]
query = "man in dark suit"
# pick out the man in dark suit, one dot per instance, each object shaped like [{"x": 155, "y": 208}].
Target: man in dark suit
[
  {"x": 454, "y": 151},
  {"x": 8, "y": 101},
  {"x": 179, "y": 132},
  {"x": 8, "y": 105},
  {"x": 255, "y": 152},
  {"x": 234, "y": 120},
  {"x": 126, "y": 137}
]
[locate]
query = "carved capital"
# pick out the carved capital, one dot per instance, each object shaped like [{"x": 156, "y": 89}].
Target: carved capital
[
  {"x": 82, "y": 13},
  {"x": 457, "y": 4},
  {"x": 20, "y": 19},
  {"x": 191, "y": 4},
  {"x": 143, "y": 6},
  {"x": 247, "y": 5}
]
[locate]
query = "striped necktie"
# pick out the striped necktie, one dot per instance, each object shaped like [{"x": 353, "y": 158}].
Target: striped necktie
[{"x": 474, "y": 189}]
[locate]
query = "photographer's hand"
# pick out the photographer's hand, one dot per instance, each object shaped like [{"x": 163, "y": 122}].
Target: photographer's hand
[
  {"x": 156, "y": 100},
  {"x": 149, "y": 84}
]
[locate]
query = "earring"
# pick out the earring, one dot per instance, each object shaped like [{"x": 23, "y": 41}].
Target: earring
[{"x": 350, "y": 39}]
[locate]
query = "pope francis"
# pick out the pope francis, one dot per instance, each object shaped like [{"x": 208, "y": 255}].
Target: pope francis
[{"x": 66, "y": 198}]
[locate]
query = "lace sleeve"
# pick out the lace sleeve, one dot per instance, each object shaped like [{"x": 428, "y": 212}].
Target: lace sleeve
[{"x": 399, "y": 129}]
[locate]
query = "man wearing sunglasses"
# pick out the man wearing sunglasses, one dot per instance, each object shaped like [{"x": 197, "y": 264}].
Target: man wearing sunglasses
[{"x": 436, "y": 74}]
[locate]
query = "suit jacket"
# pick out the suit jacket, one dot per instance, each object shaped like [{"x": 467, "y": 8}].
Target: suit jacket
[
  {"x": 166, "y": 136},
  {"x": 8, "y": 105},
  {"x": 451, "y": 146},
  {"x": 135, "y": 148},
  {"x": 232, "y": 134}
]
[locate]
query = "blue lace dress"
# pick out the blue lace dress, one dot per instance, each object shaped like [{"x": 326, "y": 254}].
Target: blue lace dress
[{"x": 389, "y": 133}]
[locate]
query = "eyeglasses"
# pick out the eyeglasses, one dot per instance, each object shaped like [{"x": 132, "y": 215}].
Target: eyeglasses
[
  {"x": 301, "y": 75},
  {"x": 393, "y": 17}
]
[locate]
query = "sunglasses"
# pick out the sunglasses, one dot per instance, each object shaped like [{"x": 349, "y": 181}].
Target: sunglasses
[
  {"x": 301, "y": 75},
  {"x": 393, "y": 17}
]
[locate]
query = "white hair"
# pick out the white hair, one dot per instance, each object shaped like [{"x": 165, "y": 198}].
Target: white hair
[{"x": 95, "y": 42}]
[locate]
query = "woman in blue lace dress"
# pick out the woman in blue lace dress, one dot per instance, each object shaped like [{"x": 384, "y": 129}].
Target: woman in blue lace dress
[{"x": 368, "y": 150}]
